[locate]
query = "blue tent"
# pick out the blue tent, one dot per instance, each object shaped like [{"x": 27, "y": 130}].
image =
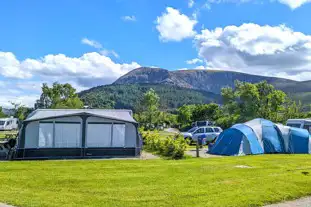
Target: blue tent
[
  {"x": 299, "y": 141},
  {"x": 268, "y": 135},
  {"x": 240, "y": 139}
]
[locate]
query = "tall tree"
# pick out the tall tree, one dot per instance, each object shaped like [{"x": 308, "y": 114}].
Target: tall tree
[
  {"x": 185, "y": 114},
  {"x": 20, "y": 111},
  {"x": 59, "y": 96},
  {"x": 2, "y": 115}
]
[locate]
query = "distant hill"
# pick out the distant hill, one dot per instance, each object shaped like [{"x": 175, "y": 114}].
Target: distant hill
[
  {"x": 130, "y": 95},
  {"x": 177, "y": 88},
  {"x": 207, "y": 80}
]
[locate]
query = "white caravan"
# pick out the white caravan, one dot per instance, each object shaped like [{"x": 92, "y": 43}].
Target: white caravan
[
  {"x": 7, "y": 124},
  {"x": 300, "y": 123}
]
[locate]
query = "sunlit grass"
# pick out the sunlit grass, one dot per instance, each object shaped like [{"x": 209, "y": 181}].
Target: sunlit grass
[{"x": 190, "y": 182}]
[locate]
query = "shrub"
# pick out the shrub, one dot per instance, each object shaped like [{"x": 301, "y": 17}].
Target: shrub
[{"x": 173, "y": 147}]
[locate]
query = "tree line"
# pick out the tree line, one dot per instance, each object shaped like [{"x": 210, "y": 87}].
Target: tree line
[{"x": 242, "y": 103}]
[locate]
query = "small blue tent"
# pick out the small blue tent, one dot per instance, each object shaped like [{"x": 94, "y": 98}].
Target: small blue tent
[
  {"x": 299, "y": 141},
  {"x": 240, "y": 139}
]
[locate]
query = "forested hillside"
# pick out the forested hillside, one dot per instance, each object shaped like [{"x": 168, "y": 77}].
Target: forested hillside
[{"x": 129, "y": 96}]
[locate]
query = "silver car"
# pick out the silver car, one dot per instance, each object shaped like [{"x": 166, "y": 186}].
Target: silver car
[{"x": 208, "y": 133}]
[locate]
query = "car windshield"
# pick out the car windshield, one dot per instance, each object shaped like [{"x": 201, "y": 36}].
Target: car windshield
[{"x": 192, "y": 129}]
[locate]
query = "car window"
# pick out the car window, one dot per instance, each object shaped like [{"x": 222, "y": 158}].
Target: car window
[
  {"x": 201, "y": 130},
  {"x": 209, "y": 130},
  {"x": 307, "y": 127},
  {"x": 294, "y": 125},
  {"x": 216, "y": 129}
]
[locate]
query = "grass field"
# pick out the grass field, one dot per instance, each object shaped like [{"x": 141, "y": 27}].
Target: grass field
[{"x": 192, "y": 182}]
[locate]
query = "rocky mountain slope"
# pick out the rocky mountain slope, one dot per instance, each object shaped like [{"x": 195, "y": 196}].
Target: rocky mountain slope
[{"x": 207, "y": 80}]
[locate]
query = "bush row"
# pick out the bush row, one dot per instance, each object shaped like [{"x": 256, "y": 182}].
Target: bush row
[{"x": 172, "y": 147}]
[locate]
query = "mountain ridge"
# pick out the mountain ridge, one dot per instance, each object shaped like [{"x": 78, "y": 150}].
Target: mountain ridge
[{"x": 206, "y": 80}]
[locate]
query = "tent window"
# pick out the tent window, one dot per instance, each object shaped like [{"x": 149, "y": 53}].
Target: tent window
[
  {"x": 46, "y": 135},
  {"x": 98, "y": 135},
  {"x": 67, "y": 135},
  {"x": 118, "y": 139}
]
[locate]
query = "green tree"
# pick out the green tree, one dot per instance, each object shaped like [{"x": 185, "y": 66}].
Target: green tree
[
  {"x": 185, "y": 114},
  {"x": 59, "y": 96},
  {"x": 149, "y": 113},
  {"x": 20, "y": 111},
  {"x": 209, "y": 112},
  {"x": 2, "y": 115},
  {"x": 261, "y": 100}
]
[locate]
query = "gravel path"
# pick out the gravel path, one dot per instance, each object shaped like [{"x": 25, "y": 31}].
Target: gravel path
[
  {"x": 202, "y": 153},
  {"x": 4, "y": 205},
  {"x": 303, "y": 202},
  {"x": 146, "y": 156}
]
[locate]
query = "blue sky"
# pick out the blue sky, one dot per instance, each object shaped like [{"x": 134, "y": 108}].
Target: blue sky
[{"x": 89, "y": 43}]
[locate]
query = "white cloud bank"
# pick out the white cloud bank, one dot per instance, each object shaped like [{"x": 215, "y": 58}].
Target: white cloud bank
[
  {"x": 263, "y": 50},
  {"x": 91, "y": 69},
  {"x": 174, "y": 26},
  {"x": 293, "y": 4}
]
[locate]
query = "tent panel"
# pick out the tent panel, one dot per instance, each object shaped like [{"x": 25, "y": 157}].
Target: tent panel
[
  {"x": 118, "y": 137},
  {"x": 98, "y": 135},
  {"x": 299, "y": 141},
  {"x": 271, "y": 139},
  {"x": 228, "y": 143},
  {"x": 67, "y": 135},
  {"x": 32, "y": 135},
  {"x": 46, "y": 135},
  {"x": 284, "y": 131}
]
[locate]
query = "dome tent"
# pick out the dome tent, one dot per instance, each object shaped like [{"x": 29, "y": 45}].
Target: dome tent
[
  {"x": 257, "y": 136},
  {"x": 260, "y": 136},
  {"x": 240, "y": 139}
]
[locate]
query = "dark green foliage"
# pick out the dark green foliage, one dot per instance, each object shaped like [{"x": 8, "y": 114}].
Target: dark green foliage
[
  {"x": 242, "y": 103},
  {"x": 191, "y": 113},
  {"x": 173, "y": 147},
  {"x": 130, "y": 96},
  {"x": 2, "y": 115},
  {"x": 59, "y": 96}
]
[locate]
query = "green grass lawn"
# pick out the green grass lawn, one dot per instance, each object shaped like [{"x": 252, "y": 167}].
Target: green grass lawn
[{"x": 192, "y": 182}]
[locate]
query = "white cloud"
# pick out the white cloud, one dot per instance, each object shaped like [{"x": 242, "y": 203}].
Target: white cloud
[
  {"x": 293, "y": 4},
  {"x": 194, "y": 61},
  {"x": 91, "y": 69},
  {"x": 129, "y": 18},
  {"x": 174, "y": 26},
  {"x": 106, "y": 52},
  {"x": 91, "y": 43},
  {"x": 100, "y": 48},
  {"x": 251, "y": 48},
  {"x": 190, "y": 3}
]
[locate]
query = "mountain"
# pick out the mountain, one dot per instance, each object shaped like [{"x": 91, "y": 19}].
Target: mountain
[
  {"x": 177, "y": 88},
  {"x": 129, "y": 96},
  {"x": 206, "y": 80}
]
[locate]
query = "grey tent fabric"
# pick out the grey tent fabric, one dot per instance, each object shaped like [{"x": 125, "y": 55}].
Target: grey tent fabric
[{"x": 122, "y": 115}]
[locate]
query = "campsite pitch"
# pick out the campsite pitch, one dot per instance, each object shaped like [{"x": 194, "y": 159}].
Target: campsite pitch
[{"x": 190, "y": 182}]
